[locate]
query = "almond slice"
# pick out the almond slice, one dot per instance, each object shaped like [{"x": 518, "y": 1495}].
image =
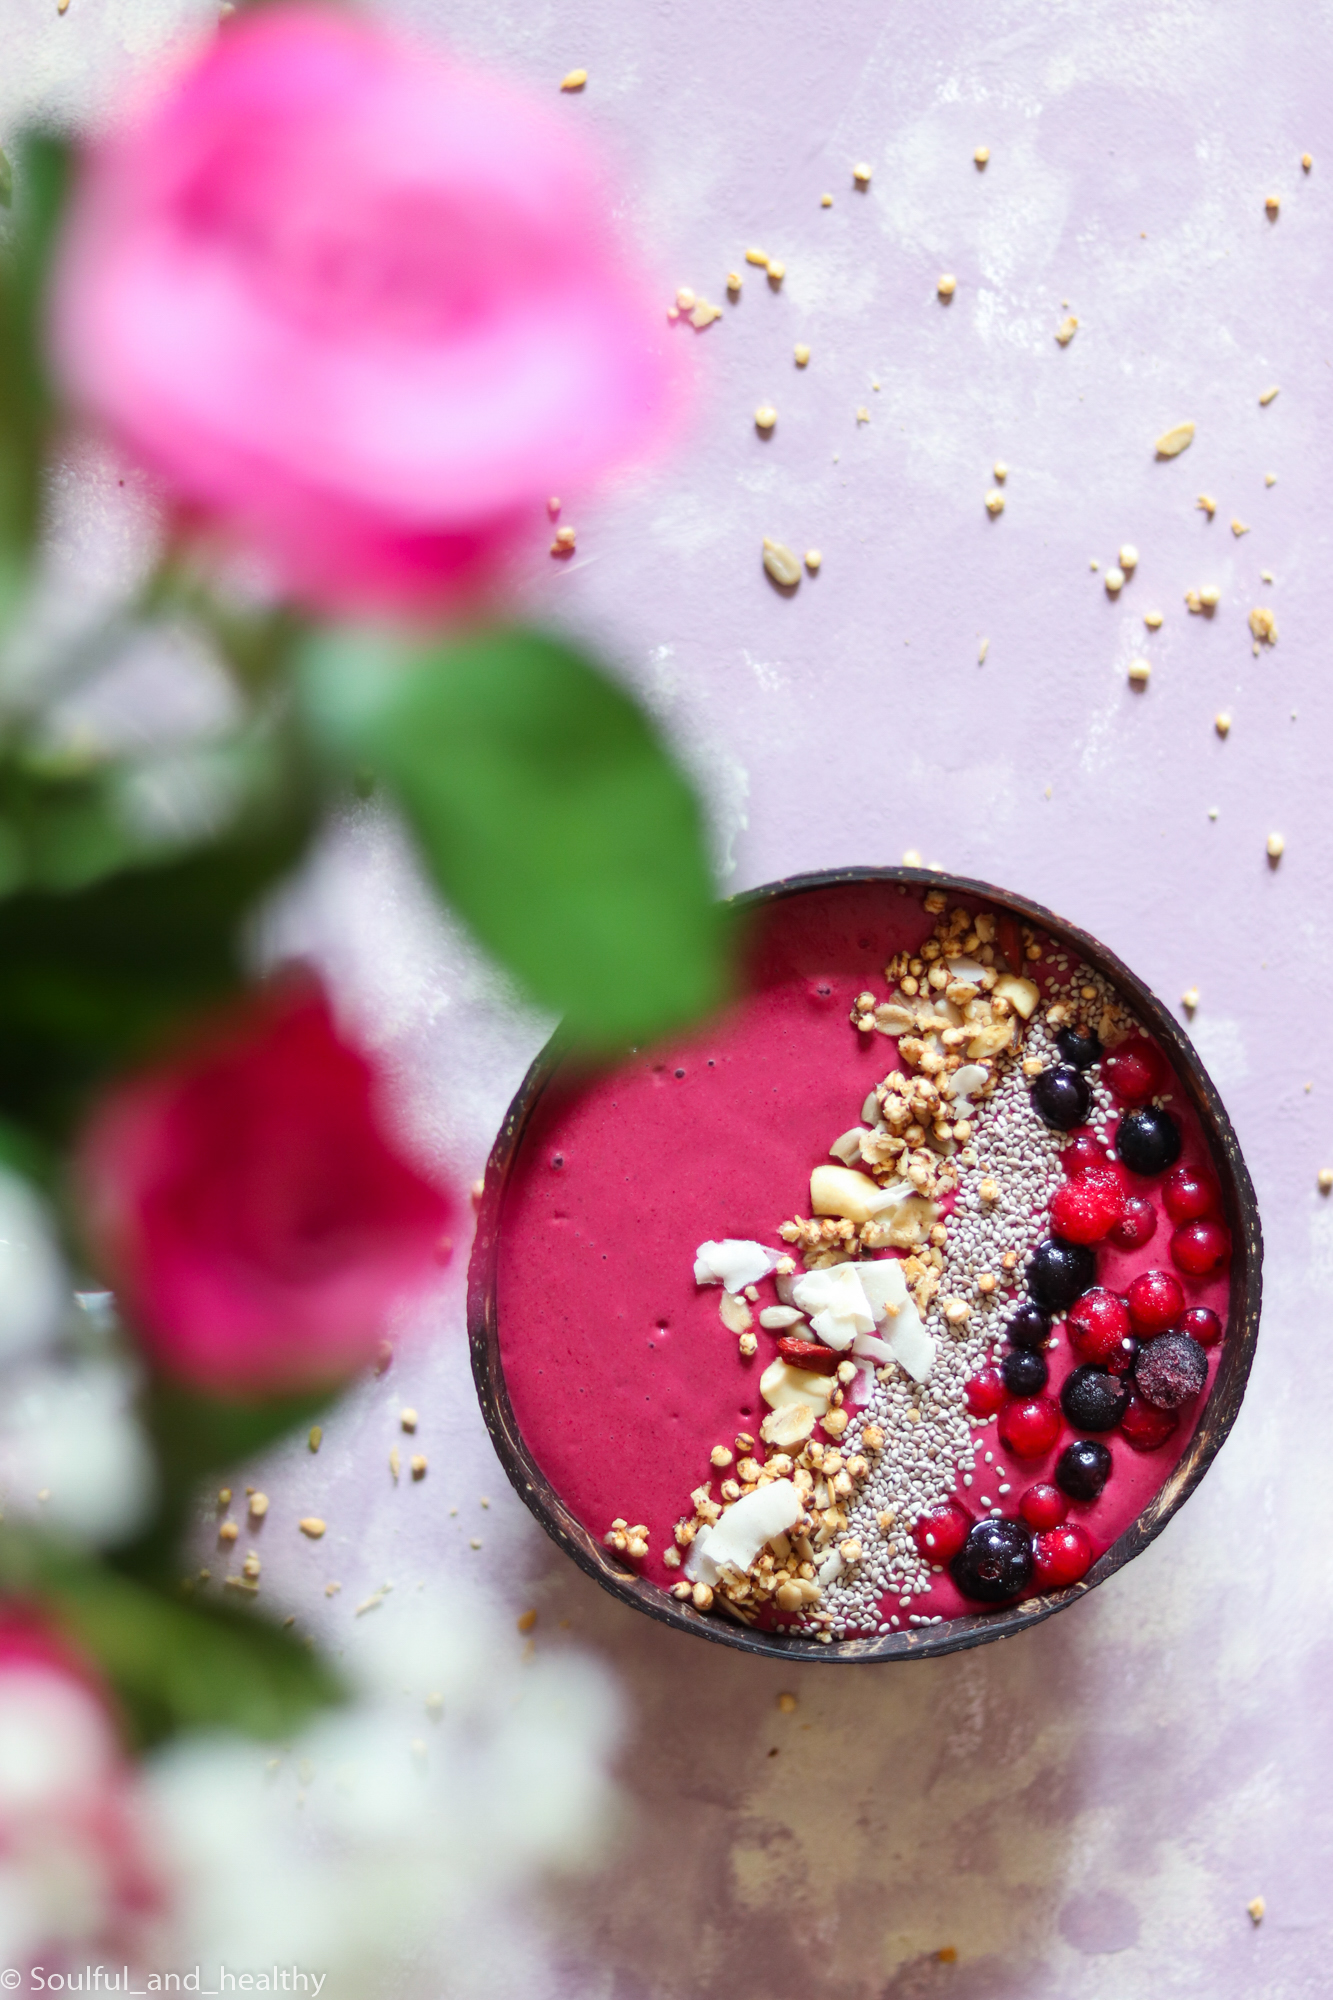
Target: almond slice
[{"x": 1171, "y": 443}]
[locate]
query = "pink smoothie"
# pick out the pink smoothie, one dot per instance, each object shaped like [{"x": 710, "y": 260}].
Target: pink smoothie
[{"x": 621, "y": 1374}]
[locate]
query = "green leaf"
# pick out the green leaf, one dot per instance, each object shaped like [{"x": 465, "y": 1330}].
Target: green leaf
[
  {"x": 6, "y": 181},
  {"x": 96, "y": 977},
  {"x": 26, "y": 403},
  {"x": 550, "y": 814},
  {"x": 175, "y": 1663}
]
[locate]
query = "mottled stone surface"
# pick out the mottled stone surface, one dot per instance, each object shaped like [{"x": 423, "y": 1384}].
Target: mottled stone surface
[{"x": 1088, "y": 1809}]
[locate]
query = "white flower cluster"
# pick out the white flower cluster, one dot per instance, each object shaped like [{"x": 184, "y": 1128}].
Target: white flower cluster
[{"x": 72, "y": 1453}]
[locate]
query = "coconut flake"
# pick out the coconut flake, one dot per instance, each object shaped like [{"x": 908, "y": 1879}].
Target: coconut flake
[
  {"x": 776, "y": 1318},
  {"x": 913, "y": 1348},
  {"x": 844, "y": 1192},
  {"x": 737, "y": 1537},
  {"x": 831, "y": 1568},
  {"x": 885, "y": 1287},
  {"x": 847, "y": 1147},
  {"x": 969, "y": 969},
  {"x": 868, "y": 1346},
  {"x": 967, "y": 1081},
  {"x": 838, "y": 1307},
  {"x": 733, "y": 1264}
]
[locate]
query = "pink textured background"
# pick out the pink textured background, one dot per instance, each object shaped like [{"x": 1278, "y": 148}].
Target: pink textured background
[{"x": 1089, "y": 1808}]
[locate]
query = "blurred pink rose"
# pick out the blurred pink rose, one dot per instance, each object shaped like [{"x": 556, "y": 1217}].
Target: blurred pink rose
[
  {"x": 254, "y": 1216},
  {"x": 77, "y": 1878},
  {"x": 359, "y": 308}
]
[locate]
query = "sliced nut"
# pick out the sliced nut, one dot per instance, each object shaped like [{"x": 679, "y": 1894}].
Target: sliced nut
[
  {"x": 734, "y": 1313},
  {"x": 781, "y": 564},
  {"x": 788, "y": 1427},
  {"x": 311, "y": 1526},
  {"x": 765, "y": 417},
  {"x": 574, "y": 79},
  {"x": 1266, "y": 396},
  {"x": 1171, "y": 443},
  {"x": 1066, "y": 330},
  {"x": 1022, "y": 994}
]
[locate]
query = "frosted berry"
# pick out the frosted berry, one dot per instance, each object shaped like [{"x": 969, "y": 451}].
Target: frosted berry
[
  {"x": 1170, "y": 1370},
  {"x": 1082, "y": 1152},
  {"x": 1097, "y": 1323},
  {"x": 1197, "y": 1248},
  {"x": 1188, "y": 1193},
  {"x": 995, "y": 1562},
  {"x": 1092, "y": 1399},
  {"x": 1079, "y": 1047},
  {"x": 1060, "y": 1557},
  {"x": 1137, "y": 1224},
  {"x": 1025, "y": 1372},
  {"x": 1083, "y": 1468},
  {"x": 1144, "y": 1426},
  {"x": 1058, "y": 1272},
  {"x": 1155, "y": 1302},
  {"x": 1043, "y": 1506},
  {"x": 1148, "y": 1141},
  {"x": 1133, "y": 1071},
  {"x": 1121, "y": 1359},
  {"x": 1062, "y": 1098},
  {"x": 1030, "y": 1428},
  {"x": 985, "y": 1393},
  {"x": 1028, "y": 1326},
  {"x": 941, "y": 1533},
  {"x": 1202, "y": 1324},
  {"x": 1086, "y": 1209}
]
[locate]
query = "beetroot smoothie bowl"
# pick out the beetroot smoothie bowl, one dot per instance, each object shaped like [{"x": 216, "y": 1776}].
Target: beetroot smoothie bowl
[{"x": 891, "y": 1311}]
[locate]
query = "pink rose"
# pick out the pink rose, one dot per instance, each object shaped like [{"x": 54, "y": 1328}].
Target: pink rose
[
  {"x": 78, "y": 1879},
  {"x": 247, "y": 1204},
  {"x": 357, "y": 307}
]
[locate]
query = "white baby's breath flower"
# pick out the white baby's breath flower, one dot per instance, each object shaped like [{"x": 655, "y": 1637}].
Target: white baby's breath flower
[
  {"x": 72, "y": 1451},
  {"x": 34, "y": 1290}
]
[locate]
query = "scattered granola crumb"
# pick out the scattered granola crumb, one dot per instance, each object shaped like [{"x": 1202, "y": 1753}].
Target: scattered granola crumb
[
  {"x": 419, "y": 1465},
  {"x": 1153, "y": 620},
  {"x": 1189, "y": 999},
  {"x": 802, "y": 353},
  {"x": 374, "y": 1601},
  {"x": 781, "y": 565},
  {"x": 1238, "y": 527},
  {"x": 228, "y": 1531},
  {"x": 1210, "y": 596},
  {"x": 999, "y": 472},
  {"x": 1263, "y": 625},
  {"x": 474, "y": 1541},
  {"x": 1272, "y": 206},
  {"x": 1208, "y": 504},
  {"x": 1275, "y": 846},
  {"x": 776, "y": 269},
  {"x": 553, "y": 509},
  {"x": 1171, "y": 443},
  {"x": 1140, "y": 672},
  {"x": 563, "y": 545},
  {"x": 408, "y": 1419},
  {"x": 1066, "y": 330},
  {"x": 758, "y": 257},
  {"x": 703, "y": 314},
  {"x": 734, "y": 282},
  {"x": 395, "y": 1463},
  {"x": 332, "y": 1589},
  {"x": 911, "y": 859},
  {"x": 1325, "y": 1175},
  {"x": 994, "y": 502},
  {"x": 685, "y": 299},
  {"x": 526, "y": 1620},
  {"x": 1114, "y": 580},
  {"x": 1093, "y": 563},
  {"x": 1265, "y": 576},
  {"x": 765, "y": 417},
  {"x": 1222, "y": 722},
  {"x": 1270, "y": 479},
  {"x": 1256, "y": 1907},
  {"x": 861, "y": 173},
  {"x": 1129, "y": 558},
  {"x": 748, "y": 1344},
  {"x": 311, "y": 1526},
  {"x": 1266, "y": 396},
  {"x": 826, "y": 201},
  {"x": 813, "y": 559},
  {"x": 982, "y": 651},
  {"x": 946, "y": 284},
  {"x": 1306, "y": 163},
  {"x": 981, "y": 155},
  {"x": 251, "y": 1567},
  {"x": 224, "y": 1497},
  {"x": 574, "y": 79}
]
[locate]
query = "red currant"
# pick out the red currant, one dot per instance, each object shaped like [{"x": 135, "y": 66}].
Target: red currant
[
  {"x": 1188, "y": 1193},
  {"x": 1144, "y": 1426},
  {"x": 1137, "y": 1224},
  {"x": 941, "y": 1533},
  {"x": 1155, "y": 1302},
  {"x": 1085, "y": 1209},
  {"x": 1043, "y": 1506},
  {"x": 1098, "y": 1323},
  {"x": 1030, "y": 1428},
  {"x": 1061, "y": 1556},
  {"x": 985, "y": 1393},
  {"x": 1203, "y": 1325},
  {"x": 1082, "y": 1152},
  {"x": 1200, "y": 1247},
  {"x": 1133, "y": 1071}
]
